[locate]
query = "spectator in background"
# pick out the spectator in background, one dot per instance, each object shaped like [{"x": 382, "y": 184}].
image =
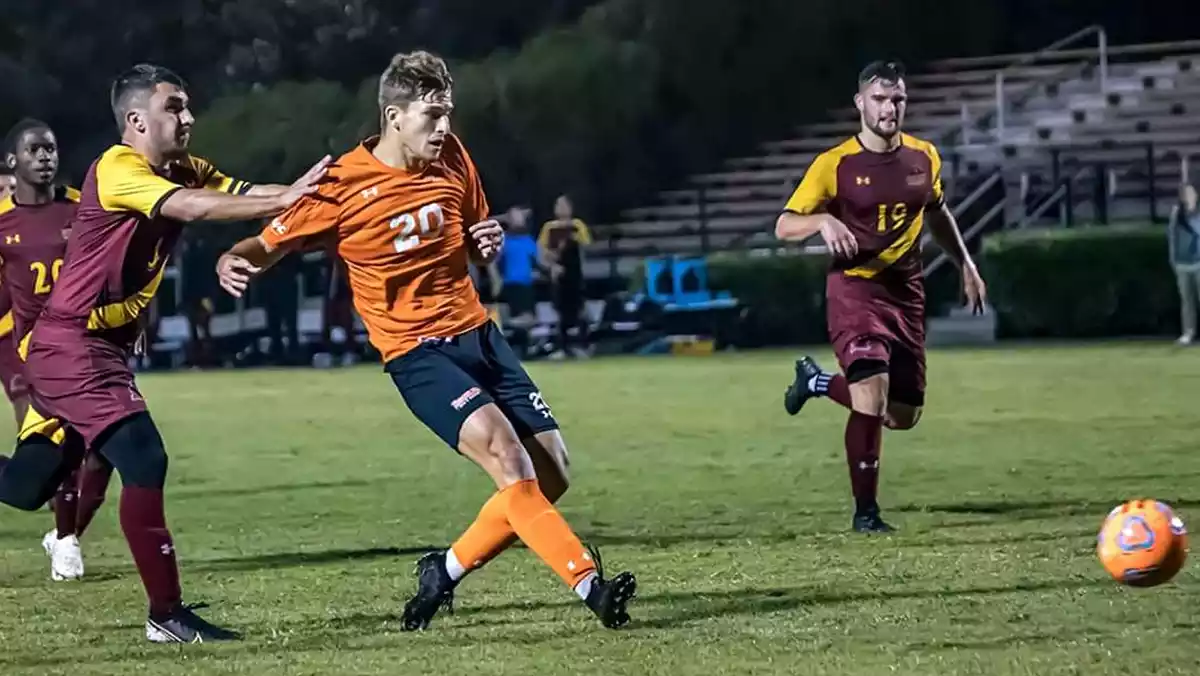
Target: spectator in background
[
  {"x": 8, "y": 183},
  {"x": 560, "y": 246},
  {"x": 512, "y": 276},
  {"x": 1184, "y": 242}
]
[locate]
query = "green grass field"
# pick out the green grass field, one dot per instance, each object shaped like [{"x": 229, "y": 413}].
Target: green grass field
[{"x": 300, "y": 499}]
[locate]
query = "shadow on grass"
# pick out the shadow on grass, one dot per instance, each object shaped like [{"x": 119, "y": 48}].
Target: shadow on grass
[
  {"x": 684, "y": 607},
  {"x": 288, "y": 559},
  {"x": 196, "y": 491},
  {"x": 1034, "y": 509}
]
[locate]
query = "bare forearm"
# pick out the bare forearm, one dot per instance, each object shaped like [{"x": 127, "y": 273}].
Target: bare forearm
[
  {"x": 257, "y": 252},
  {"x": 269, "y": 190},
  {"x": 793, "y": 227},
  {"x": 944, "y": 230},
  {"x": 190, "y": 205}
]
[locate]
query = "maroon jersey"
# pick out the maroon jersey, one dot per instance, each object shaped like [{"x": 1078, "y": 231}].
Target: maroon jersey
[
  {"x": 119, "y": 244},
  {"x": 33, "y": 238},
  {"x": 881, "y": 197}
]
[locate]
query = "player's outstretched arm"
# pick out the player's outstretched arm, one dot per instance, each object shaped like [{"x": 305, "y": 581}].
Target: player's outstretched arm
[
  {"x": 247, "y": 259},
  {"x": 944, "y": 229},
  {"x": 314, "y": 174},
  {"x": 202, "y": 204}
]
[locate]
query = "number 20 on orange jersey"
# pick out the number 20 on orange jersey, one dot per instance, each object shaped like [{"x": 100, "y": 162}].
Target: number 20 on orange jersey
[{"x": 426, "y": 223}]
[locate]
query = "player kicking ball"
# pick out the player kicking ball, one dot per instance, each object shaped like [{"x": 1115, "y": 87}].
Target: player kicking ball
[
  {"x": 869, "y": 199},
  {"x": 408, "y": 213},
  {"x": 34, "y": 223}
]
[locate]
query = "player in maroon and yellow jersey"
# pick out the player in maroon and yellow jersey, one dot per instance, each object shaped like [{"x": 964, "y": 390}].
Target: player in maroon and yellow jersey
[
  {"x": 34, "y": 223},
  {"x": 870, "y": 199},
  {"x": 134, "y": 203},
  {"x": 408, "y": 213}
]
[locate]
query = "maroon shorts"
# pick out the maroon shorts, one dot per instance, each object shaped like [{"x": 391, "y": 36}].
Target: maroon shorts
[
  {"x": 12, "y": 371},
  {"x": 880, "y": 321},
  {"x": 81, "y": 380}
]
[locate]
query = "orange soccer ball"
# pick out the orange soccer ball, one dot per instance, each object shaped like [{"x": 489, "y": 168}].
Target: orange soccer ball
[{"x": 1142, "y": 543}]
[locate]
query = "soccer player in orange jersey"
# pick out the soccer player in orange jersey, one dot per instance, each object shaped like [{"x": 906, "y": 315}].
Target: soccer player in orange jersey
[
  {"x": 409, "y": 215},
  {"x": 869, "y": 198}
]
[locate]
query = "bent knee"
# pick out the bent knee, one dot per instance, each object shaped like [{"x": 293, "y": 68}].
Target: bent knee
[{"x": 903, "y": 419}]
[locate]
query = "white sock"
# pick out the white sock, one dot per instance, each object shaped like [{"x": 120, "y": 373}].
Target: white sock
[
  {"x": 454, "y": 569},
  {"x": 585, "y": 586},
  {"x": 819, "y": 384}
]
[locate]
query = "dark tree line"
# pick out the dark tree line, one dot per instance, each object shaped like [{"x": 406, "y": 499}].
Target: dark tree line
[{"x": 610, "y": 101}]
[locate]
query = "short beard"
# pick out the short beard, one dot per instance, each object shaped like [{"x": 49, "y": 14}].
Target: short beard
[{"x": 875, "y": 129}]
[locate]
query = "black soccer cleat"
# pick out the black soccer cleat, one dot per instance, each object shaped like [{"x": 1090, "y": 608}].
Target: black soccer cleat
[
  {"x": 798, "y": 393},
  {"x": 184, "y": 626},
  {"x": 609, "y": 598},
  {"x": 435, "y": 590},
  {"x": 870, "y": 522}
]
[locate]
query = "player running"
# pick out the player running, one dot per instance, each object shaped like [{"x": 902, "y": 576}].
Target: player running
[
  {"x": 868, "y": 198},
  {"x": 34, "y": 223},
  {"x": 409, "y": 216},
  {"x": 135, "y": 200}
]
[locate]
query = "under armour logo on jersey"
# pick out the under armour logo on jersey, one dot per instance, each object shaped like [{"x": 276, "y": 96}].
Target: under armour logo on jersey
[
  {"x": 862, "y": 180},
  {"x": 278, "y": 226},
  {"x": 370, "y": 193},
  {"x": 12, "y": 239}
]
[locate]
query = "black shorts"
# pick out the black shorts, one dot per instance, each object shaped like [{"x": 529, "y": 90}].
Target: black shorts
[
  {"x": 520, "y": 299},
  {"x": 443, "y": 381}
]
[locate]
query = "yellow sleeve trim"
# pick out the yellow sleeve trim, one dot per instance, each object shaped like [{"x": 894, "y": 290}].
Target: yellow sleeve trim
[
  {"x": 126, "y": 182},
  {"x": 6, "y": 324}
]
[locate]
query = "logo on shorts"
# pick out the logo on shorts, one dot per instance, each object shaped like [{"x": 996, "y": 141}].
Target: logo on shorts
[
  {"x": 278, "y": 226},
  {"x": 860, "y": 346},
  {"x": 134, "y": 395},
  {"x": 540, "y": 405},
  {"x": 465, "y": 398}
]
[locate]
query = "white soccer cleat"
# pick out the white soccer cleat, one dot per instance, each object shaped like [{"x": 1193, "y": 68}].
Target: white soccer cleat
[{"x": 66, "y": 556}]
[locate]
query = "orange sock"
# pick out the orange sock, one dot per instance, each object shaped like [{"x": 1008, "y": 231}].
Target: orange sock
[
  {"x": 486, "y": 537},
  {"x": 544, "y": 530}
]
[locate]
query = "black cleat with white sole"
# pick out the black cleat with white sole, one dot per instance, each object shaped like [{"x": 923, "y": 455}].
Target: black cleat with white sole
[
  {"x": 435, "y": 590},
  {"x": 798, "y": 393},
  {"x": 609, "y": 598},
  {"x": 182, "y": 625}
]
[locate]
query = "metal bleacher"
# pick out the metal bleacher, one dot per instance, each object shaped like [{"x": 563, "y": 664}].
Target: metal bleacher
[{"x": 1078, "y": 130}]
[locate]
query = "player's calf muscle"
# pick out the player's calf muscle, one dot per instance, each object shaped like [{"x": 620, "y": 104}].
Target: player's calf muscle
[{"x": 548, "y": 452}]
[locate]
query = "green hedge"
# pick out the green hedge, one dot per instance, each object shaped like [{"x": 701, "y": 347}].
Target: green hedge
[
  {"x": 1080, "y": 283},
  {"x": 783, "y": 296}
]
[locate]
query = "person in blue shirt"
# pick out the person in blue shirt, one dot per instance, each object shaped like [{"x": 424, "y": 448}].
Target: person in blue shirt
[
  {"x": 1184, "y": 234},
  {"x": 517, "y": 267}
]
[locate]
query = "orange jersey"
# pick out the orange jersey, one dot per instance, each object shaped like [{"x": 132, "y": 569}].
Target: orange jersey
[{"x": 402, "y": 235}]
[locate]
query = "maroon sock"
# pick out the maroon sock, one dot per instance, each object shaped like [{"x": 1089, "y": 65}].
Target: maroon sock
[
  {"x": 145, "y": 527},
  {"x": 93, "y": 485},
  {"x": 66, "y": 503},
  {"x": 864, "y": 437}
]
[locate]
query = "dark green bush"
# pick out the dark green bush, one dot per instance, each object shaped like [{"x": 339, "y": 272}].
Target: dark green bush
[{"x": 1080, "y": 283}]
